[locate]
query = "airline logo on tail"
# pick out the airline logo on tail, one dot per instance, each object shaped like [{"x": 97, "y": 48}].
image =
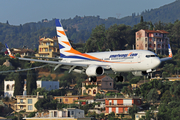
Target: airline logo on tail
[
  {"x": 170, "y": 51},
  {"x": 9, "y": 52},
  {"x": 66, "y": 50}
]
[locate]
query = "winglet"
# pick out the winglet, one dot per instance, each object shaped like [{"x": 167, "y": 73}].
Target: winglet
[
  {"x": 9, "y": 52},
  {"x": 170, "y": 51}
]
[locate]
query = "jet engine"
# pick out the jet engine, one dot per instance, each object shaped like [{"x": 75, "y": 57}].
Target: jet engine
[
  {"x": 139, "y": 73},
  {"x": 94, "y": 70}
]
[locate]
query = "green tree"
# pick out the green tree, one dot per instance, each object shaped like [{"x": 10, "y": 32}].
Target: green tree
[
  {"x": 97, "y": 40},
  {"x": 31, "y": 81},
  {"x": 111, "y": 115},
  {"x": 19, "y": 84},
  {"x": 152, "y": 96},
  {"x": 132, "y": 111},
  {"x": 101, "y": 115},
  {"x": 166, "y": 97},
  {"x": 46, "y": 103},
  {"x": 142, "y": 20}
]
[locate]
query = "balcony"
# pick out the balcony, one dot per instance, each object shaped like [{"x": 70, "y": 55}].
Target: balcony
[{"x": 27, "y": 96}]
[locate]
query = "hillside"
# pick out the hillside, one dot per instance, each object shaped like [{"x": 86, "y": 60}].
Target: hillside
[{"x": 79, "y": 28}]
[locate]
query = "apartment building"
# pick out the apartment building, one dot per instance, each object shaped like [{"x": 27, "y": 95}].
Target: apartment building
[
  {"x": 120, "y": 105},
  {"x": 66, "y": 99},
  {"x": 64, "y": 114},
  {"x": 48, "y": 47},
  {"x": 153, "y": 40},
  {"x": 27, "y": 102},
  {"x": 22, "y": 52},
  {"x": 103, "y": 84}
]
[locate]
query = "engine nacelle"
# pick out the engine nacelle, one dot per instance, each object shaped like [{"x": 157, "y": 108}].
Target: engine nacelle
[
  {"x": 94, "y": 70},
  {"x": 139, "y": 73}
]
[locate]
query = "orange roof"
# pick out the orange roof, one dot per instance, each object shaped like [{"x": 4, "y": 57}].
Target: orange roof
[
  {"x": 156, "y": 31},
  {"x": 41, "y": 39},
  {"x": 163, "y": 31}
]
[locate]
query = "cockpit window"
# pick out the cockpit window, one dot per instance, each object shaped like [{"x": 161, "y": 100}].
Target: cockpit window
[{"x": 148, "y": 56}]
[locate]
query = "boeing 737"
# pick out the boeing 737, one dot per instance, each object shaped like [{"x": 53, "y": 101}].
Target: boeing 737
[{"x": 139, "y": 62}]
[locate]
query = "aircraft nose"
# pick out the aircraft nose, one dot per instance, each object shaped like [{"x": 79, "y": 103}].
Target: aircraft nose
[{"x": 157, "y": 62}]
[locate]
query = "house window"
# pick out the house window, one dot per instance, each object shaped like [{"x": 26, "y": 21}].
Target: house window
[
  {"x": 50, "y": 50},
  {"x": 38, "y": 85},
  {"x": 146, "y": 39},
  {"x": 21, "y": 107},
  {"x": 46, "y": 50},
  {"x": 94, "y": 91},
  {"x": 29, "y": 101},
  {"x": 89, "y": 92},
  {"x": 59, "y": 100},
  {"x": 110, "y": 102},
  {"x": 7, "y": 87},
  {"x": 21, "y": 100},
  {"x": 66, "y": 100},
  {"x": 29, "y": 107},
  {"x": 48, "y": 43},
  {"x": 84, "y": 91},
  {"x": 110, "y": 84},
  {"x": 72, "y": 112}
]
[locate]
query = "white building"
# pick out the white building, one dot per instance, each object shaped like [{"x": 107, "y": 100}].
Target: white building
[
  {"x": 8, "y": 88},
  {"x": 69, "y": 112},
  {"x": 64, "y": 114},
  {"x": 48, "y": 85}
]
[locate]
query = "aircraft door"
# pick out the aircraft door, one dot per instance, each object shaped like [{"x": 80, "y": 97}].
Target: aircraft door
[{"x": 139, "y": 58}]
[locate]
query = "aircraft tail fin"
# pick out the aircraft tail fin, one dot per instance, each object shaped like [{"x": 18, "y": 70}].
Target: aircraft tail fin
[
  {"x": 170, "y": 51},
  {"x": 170, "y": 54},
  {"x": 64, "y": 44},
  {"x": 9, "y": 52}
]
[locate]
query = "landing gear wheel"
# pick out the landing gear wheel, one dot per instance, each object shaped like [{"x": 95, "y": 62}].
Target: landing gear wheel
[
  {"x": 92, "y": 79},
  {"x": 148, "y": 77},
  {"x": 119, "y": 78}
]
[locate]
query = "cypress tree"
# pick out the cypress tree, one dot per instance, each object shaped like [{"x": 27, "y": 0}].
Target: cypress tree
[
  {"x": 19, "y": 84},
  {"x": 31, "y": 81},
  {"x": 142, "y": 20}
]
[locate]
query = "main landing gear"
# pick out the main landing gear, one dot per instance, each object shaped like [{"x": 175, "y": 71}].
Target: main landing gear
[
  {"x": 119, "y": 78},
  {"x": 92, "y": 79}
]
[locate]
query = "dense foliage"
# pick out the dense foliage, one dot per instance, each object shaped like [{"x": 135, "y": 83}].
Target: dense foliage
[{"x": 79, "y": 28}]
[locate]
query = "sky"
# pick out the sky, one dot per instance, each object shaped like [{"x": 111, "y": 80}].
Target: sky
[{"x": 18, "y": 12}]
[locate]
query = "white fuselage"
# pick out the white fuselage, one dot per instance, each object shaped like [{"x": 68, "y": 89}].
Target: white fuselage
[{"x": 121, "y": 61}]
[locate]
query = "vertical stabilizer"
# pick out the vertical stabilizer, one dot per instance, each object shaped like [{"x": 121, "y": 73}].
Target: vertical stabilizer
[
  {"x": 170, "y": 51},
  {"x": 64, "y": 44},
  {"x": 9, "y": 52}
]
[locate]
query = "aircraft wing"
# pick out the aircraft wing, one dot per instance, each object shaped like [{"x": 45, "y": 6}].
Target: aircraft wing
[
  {"x": 55, "y": 58},
  {"x": 53, "y": 62}
]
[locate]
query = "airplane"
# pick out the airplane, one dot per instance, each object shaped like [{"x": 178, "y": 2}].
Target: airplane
[{"x": 139, "y": 62}]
